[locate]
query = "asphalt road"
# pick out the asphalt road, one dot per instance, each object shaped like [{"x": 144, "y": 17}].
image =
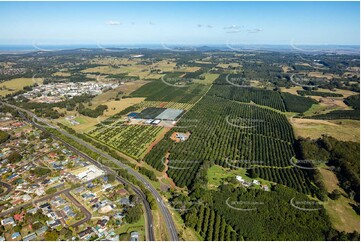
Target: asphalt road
[
  {"x": 7, "y": 187},
  {"x": 163, "y": 208},
  {"x": 88, "y": 215},
  {"x": 42, "y": 199}
]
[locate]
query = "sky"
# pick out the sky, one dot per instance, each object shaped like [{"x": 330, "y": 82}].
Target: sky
[{"x": 188, "y": 23}]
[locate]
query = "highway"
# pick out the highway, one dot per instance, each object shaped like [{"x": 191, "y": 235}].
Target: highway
[{"x": 163, "y": 208}]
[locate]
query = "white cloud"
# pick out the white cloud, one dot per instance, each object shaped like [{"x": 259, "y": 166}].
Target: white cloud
[
  {"x": 253, "y": 31},
  {"x": 232, "y": 27},
  {"x": 112, "y": 22}
]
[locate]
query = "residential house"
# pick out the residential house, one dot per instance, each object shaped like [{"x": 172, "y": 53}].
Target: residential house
[
  {"x": 30, "y": 237},
  {"x": 15, "y": 235},
  {"x": 86, "y": 234},
  {"x": 8, "y": 221},
  {"x": 42, "y": 230},
  {"x": 134, "y": 236},
  {"x": 124, "y": 201},
  {"x": 239, "y": 178},
  {"x": 265, "y": 187}
]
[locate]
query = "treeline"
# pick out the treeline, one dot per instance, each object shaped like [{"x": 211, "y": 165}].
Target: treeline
[
  {"x": 343, "y": 155},
  {"x": 150, "y": 174},
  {"x": 195, "y": 75},
  {"x": 93, "y": 113},
  {"x": 315, "y": 93},
  {"x": 297, "y": 104},
  {"x": 75, "y": 77},
  {"x": 4, "y": 136},
  {"x": 353, "y": 101},
  {"x": 48, "y": 112},
  {"x": 47, "y": 109},
  {"x": 338, "y": 114},
  {"x": 123, "y": 77}
]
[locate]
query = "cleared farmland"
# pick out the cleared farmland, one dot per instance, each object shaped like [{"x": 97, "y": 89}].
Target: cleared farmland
[{"x": 14, "y": 85}]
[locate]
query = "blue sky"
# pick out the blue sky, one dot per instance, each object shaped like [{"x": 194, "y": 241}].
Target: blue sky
[{"x": 67, "y": 23}]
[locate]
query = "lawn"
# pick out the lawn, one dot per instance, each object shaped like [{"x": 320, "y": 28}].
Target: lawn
[
  {"x": 17, "y": 84},
  {"x": 216, "y": 174},
  {"x": 209, "y": 78},
  {"x": 137, "y": 226}
]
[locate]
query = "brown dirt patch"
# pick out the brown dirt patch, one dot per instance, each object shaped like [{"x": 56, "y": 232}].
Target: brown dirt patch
[
  {"x": 163, "y": 104},
  {"x": 174, "y": 136}
]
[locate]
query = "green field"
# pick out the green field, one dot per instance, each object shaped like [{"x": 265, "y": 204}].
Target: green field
[
  {"x": 128, "y": 228},
  {"x": 217, "y": 174},
  {"x": 17, "y": 84}
]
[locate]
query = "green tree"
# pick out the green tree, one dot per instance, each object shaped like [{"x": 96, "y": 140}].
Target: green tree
[
  {"x": 253, "y": 173},
  {"x": 52, "y": 235},
  {"x": 3, "y": 136},
  {"x": 133, "y": 214},
  {"x": 14, "y": 157}
]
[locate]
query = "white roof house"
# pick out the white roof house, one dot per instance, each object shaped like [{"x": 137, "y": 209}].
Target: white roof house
[{"x": 239, "y": 178}]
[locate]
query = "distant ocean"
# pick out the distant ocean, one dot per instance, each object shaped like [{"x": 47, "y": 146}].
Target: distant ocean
[
  {"x": 346, "y": 49},
  {"x": 69, "y": 47}
]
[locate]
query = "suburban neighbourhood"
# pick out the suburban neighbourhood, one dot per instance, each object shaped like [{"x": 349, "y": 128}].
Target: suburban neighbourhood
[{"x": 49, "y": 192}]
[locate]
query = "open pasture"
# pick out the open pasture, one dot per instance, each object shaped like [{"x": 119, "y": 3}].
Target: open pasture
[
  {"x": 346, "y": 130},
  {"x": 17, "y": 84}
]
